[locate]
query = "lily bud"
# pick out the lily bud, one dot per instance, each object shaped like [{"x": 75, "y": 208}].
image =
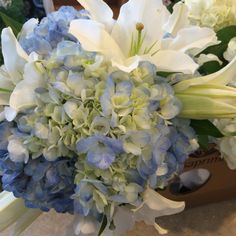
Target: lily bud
[
  {"x": 209, "y": 96},
  {"x": 208, "y": 101}
]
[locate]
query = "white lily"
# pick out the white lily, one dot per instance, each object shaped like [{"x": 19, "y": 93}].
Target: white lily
[
  {"x": 209, "y": 96},
  {"x": 20, "y": 75},
  {"x": 154, "y": 205},
  {"x": 144, "y": 30}
]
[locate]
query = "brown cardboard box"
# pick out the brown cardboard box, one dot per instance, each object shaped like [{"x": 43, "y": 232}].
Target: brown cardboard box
[{"x": 220, "y": 186}]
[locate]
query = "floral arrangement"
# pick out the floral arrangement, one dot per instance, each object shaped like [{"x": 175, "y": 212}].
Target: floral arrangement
[{"x": 98, "y": 115}]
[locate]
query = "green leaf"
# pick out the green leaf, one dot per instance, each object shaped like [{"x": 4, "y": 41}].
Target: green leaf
[
  {"x": 203, "y": 141},
  {"x": 9, "y": 22},
  {"x": 17, "y": 10},
  {"x": 205, "y": 127},
  {"x": 103, "y": 225},
  {"x": 210, "y": 67},
  {"x": 171, "y": 6},
  {"x": 224, "y": 35},
  {"x": 165, "y": 74}
]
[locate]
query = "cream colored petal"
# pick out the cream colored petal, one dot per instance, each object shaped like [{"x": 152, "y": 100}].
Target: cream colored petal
[
  {"x": 162, "y": 205},
  {"x": 204, "y": 107},
  {"x": 128, "y": 64},
  {"x": 28, "y": 27},
  {"x": 193, "y": 37},
  {"x": 173, "y": 61},
  {"x": 14, "y": 56},
  {"x": 99, "y": 11},
  {"x": 25, "y": 89},
  {"x": 152, "y": 14},
  {"x": 10, "y": 113},
  {"x": 155, "y": 206},
  {"x": 94, "y": 38},
  {"x": 178, "y": 19},
  {"x": 221, "y": 77}
]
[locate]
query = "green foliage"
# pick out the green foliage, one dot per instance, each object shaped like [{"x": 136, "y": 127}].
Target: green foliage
[
  {"x": 224, "y": 35},
  {"x": 209, "y": 67},
  {"x": 203, "y": 141},
  {"x": 204, "y": 129},
  {"x": 165, "y": 74},
  {"x": 13, "y": 16},
  {"x": 15, "y": 11},
  {"x": 103, "y": 225},
  {"x": 170, "y": 7},
  {"x": 8, "y": 21}
]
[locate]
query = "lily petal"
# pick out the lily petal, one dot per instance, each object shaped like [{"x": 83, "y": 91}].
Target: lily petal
[
  {"x": 155, "y": 206},
  {"x": 93, "y": 37},
  {"x": 173, "y": 61},
  {"x": 6, "y": 86},
  {"x": 221, "y": 77},
  {"x": 28, "y": 27},
  {"x": 14, "y": 56},
  {"x": 162, "y": 205},
  {"x": 193, "y": 37},
  {"x": 204, "y": 107},
  {"x": 152, "y": 14},
  {"x": 10, "y": 113},
  {"x": 127, "y": 65},
  {"x": 25, "y": 89},
  {"x": 178, "y": 19},
  {"x": 99, "y": 11}
]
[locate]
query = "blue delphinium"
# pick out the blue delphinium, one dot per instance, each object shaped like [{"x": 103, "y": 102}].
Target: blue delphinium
[
  {"x": 42, "y": 184},
  {"x": 51, "y": 30}
]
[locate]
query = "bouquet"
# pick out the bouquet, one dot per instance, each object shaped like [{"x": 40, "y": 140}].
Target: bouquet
[{"x": 97, "y": 115}]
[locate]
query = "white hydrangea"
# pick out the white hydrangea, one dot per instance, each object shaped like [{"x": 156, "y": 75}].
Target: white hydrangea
[
  {"x": 230, "y": 53},
  {"x": 5, "y": 3},
  {"x": 227, "y": 145},
  {"x": 212, "y": 13}
]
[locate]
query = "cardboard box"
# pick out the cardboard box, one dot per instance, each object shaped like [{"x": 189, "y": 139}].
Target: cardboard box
[{"x": 220, "y": 186}]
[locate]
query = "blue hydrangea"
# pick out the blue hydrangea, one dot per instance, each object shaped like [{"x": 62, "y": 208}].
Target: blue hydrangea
[
  {"x": 51, "y": 30},
  {"x": 168, "y": 153},
  {"x": 42, "y": 184},
  {"x": 101, "y": 151}
]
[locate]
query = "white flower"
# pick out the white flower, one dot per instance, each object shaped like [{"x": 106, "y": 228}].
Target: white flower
[
  {"x": 5, "y": 3},
  {"x": 212, "y": 13},
  {"x": 230, "y": 53},
  {"x": 203, "y": 58},
  {"x": 144, "y": 30},
  {"x": 154, "y": 205},
  {"x": 20, "y": 75},
  {"x": 209, "y": 96},
  {"x": 227, "y": 144},
  {"x": 17, "y": 151},
  {"x": 82, "y": 226}
]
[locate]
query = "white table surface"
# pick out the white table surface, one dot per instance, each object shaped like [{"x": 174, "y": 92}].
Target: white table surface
[{"x": 211, "y": 220}]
